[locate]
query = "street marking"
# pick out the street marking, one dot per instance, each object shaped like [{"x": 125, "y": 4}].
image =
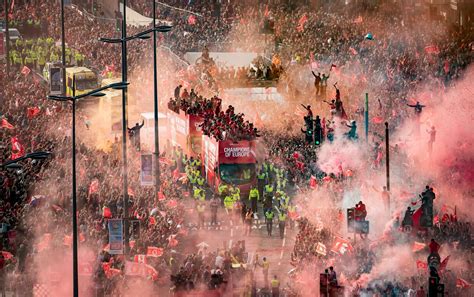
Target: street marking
[
  {"x": 231, "y": 232},
  {"x": 230, "y": 244}
]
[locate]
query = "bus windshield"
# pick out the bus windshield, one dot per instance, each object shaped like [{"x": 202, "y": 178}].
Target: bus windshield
[{"x": 237, "y": 174}]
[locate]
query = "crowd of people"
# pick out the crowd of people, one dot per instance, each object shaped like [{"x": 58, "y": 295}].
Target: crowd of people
[
  {"x": 35, "y": 200},
  {"x": 219, "y": 124}
]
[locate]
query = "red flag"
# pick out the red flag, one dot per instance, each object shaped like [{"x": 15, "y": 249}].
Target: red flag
[
  {"x": 130, "y": 192},
  {"x": 139, "y": 258},
  {"x": 421, "y": 265},
  {"x": 377, "y": 120},
  {"x": 191, "y": 20},
  {"x": 31, "y": 112},
  {"x": 106, "y": 212},
  {"x": 172, "y": 203},
  {"x": 172, "y": 241},
  {"x": 25, "y": 71},
  {"x": 460, "y": 283},
  {"x": 151, "y": 272},
  {"x": 17, "y": 148},
  {"x": 153, "y": 251},
  {"x": 7, "y": 255},
  {"x": 432, "y": 49},
  {"x": 416, "y": 217},
  {"x": 353, "y": 51},
  {"x": 444, "y": 263},
  {"x": 341, "y": 246},
  {"x": 312, "y": 182},
  {"x": 436, "y": 220},
  {"x": 418, "y": 246},
  {"x": 161, "y": 197},
  {"x": 5, "y": 124},
  {"x": 301, "y": 23},
  {"x": 152, "y": 221},
  {"x": 94, "y": 186}
]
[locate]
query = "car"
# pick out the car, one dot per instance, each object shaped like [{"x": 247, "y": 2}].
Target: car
[{"x": 13, "y": 32}]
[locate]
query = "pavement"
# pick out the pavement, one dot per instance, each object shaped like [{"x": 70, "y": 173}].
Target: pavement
[{"x": 258, "y": 244}]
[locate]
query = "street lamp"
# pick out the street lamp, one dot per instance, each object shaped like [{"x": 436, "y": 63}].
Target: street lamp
[
  {"x": 13, "y": 164},
  {"x": 74, "y": 98},
  {"x": 123, "y": 41}
]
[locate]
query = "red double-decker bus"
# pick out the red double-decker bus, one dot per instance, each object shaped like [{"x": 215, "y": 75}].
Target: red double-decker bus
[
  {"x": 229, "y": 162},
  {"x": 185, "y": 132}
]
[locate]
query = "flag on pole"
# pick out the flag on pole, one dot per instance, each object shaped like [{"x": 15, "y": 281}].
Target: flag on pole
[
  {"x": 444, "y": 263},
  {"x": 17, "y": 148},
  {"x": 5, "y": 124},
  {"x": 153, "y": 251}
]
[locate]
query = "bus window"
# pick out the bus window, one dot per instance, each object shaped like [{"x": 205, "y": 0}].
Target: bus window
[
  {"x": 86, "y": 84},
  {"x": 237, "y": 173}
]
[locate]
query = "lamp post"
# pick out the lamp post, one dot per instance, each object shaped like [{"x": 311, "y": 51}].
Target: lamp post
[
  {"x": 123, "y": 41},
  {"x": 7, "y": 39},
  {"x": 155, "y": 101},
  {"x": 387, "y": 156},
  {"x": 63, "y": 48},
  {"x": 74, "y": 98}
]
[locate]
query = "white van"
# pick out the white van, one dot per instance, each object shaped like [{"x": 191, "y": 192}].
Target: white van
[{"x": 14, "y": 34}]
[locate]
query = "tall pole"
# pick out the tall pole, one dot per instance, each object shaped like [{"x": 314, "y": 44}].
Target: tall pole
[
  {"x": 124, "y": 127},
  {"x": 155, "y": 100},
  {"x": 63, "y": 47},
  {"x": 387, "y": 155},
  {"x": 7, "y": 38},
  {"x": 366, "y": 117},
  {"x": 74, "y": 205}
]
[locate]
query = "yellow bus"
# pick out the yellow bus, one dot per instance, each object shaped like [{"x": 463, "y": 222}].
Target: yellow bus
[{"x": 86, "y": 80}]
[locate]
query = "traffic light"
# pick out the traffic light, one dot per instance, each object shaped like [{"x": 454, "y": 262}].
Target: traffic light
[
  {"x": 318, "y": 135},
  {"x": 350, "y": 219},
  {"x": 435, "y": 289}
]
